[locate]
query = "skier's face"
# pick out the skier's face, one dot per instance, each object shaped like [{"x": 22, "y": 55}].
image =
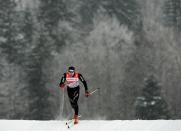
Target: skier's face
[{"x": 71, "y": 73}]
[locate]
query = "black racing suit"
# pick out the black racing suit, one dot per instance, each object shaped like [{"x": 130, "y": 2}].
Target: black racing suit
[{"x": 73, "y": 93}]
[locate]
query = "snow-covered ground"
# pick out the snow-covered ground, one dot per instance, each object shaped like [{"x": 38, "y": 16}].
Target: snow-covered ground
[{"x": 96, "y": 125}]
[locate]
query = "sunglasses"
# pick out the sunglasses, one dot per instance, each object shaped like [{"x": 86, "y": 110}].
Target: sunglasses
[{"x": 71, "y": 71}]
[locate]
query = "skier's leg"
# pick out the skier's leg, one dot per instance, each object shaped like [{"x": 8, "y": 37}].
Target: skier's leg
[
  {"x": 73, "y": 94},
  {"x": 75, "y": 105},
  {"x": 75, "y": 101}
]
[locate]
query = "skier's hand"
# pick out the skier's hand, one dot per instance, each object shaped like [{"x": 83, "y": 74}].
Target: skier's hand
[
  {"x": 61, "y": 86},
  {"x": 87, "y": 93}
]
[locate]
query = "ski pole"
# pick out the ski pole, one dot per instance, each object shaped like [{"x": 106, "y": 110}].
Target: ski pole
[{"x": 94, "y": 91}]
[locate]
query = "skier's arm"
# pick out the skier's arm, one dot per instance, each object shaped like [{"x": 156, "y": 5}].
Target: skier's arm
[
  {"x": 62, "y": 80},
  {"x": 81, "y": 78}
]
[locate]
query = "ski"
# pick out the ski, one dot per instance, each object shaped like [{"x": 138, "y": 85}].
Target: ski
[
  {"x": 69, "y": 121},
  {"x": 71, "y": 124}
]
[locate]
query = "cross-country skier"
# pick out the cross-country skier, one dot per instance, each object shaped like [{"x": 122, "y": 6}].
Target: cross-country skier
[{"x": 71, "y": 79}]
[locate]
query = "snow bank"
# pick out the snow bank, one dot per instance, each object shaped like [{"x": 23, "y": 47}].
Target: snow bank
[{"x": 85, "y": 125}]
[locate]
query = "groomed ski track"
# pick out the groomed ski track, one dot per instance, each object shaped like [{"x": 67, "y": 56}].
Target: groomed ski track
[{"x": 91, "y": 125}]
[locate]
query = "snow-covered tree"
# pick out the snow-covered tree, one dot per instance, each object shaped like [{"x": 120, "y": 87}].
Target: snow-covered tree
[
  {"x": 8, "y": 28},
  {"x": 12, "y": 50},
  {"x": 127, "y": 11},
  {"x": 49, "y": 39},
  {"x": 151, "y": 105},
  {"x": 172, "y": 14}
]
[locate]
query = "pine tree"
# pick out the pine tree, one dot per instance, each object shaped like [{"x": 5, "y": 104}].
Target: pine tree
[
  {"x": 48, "y": 40},
  {"x": 8, "y": 28},
  {"x": 51, "y": 12},
  {"x": 172, "y": 14},
  {"x": 151, "y": 105},
  {"x": 127, "y": 11},
  {"x": 88, "y": 9},
  {"x": 12, "y": 50},
  {"x": 13, "y": 41}
]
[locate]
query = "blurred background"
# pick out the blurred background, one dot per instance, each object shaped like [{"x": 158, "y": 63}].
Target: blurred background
[{"x": 130, "y": 49}]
